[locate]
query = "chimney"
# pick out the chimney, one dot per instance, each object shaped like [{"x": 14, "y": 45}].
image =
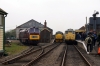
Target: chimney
[{"x": 45, "y": 24}]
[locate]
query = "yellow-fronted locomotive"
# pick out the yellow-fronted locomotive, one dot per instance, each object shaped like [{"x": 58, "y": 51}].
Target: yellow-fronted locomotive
[
  {"x": 59, "y": 36},
  {"x": 70, "y": 36},
  {"x": 29, "y": 36}
]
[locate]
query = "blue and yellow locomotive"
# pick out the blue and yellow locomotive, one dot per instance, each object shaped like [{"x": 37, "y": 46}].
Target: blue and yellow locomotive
[
  {"x": 59, "y": 37},
  {"x": 70, "y": 36}
]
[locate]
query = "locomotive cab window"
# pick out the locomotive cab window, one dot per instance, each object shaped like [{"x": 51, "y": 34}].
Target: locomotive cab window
[
  {"x": 70, "y": 31},
  {"x": 37, "y": 30},
  {"x": 73, "y": 32},
  {"x": 66, "y": 31},
  {"x": 31, "y": 30}
]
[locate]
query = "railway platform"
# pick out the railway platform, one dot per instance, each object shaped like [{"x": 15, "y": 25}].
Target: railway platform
[
  {"x": 93, "y": 56},
  {"x": 95, "y": 48}
]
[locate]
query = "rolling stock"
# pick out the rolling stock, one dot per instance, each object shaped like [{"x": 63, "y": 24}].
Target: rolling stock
[
  {"x": 29, "y": 36},
  {"x": 59, "y": 37},
  {"x": 70, "y": 36}
]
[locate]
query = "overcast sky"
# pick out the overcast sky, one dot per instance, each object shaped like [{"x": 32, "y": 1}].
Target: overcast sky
[{"x": 59, "y": 14}]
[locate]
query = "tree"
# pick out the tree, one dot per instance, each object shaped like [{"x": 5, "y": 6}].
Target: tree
[{"x": 11, "y": 34}]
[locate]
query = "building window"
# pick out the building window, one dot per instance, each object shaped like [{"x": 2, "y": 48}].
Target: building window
[{"x": 98, "y": 26}]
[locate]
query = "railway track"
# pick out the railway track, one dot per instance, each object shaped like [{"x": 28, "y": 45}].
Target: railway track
[
  {"x": 25, "y": 57},
  {"x": 64, "y": 56},
  {"x": 15, "y": 58},
  {"x": 69, "y": 56},
  {"x": 17, "y": 55},
  {"x": 45, "y": 52},
  {"x": 84, "y": 58},
  {"x": 73, "y": 57}
]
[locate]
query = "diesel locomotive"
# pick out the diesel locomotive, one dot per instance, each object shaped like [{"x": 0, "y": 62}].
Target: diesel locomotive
[
  {"x": 29, "y": 36},
  {"x": 59, "y": 37},
  {"x": 70, "y": 37}
]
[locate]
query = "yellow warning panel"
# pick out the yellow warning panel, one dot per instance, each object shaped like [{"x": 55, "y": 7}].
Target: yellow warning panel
[{"x": 1, "y": 39}]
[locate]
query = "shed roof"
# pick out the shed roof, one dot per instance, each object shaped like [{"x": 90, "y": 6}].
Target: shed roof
[
  {"x": 20, "y": 26},
  {"x": 32, "y": 20}
]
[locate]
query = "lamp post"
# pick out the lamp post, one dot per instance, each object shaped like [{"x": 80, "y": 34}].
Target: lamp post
[{"x": 94, "y": 18}]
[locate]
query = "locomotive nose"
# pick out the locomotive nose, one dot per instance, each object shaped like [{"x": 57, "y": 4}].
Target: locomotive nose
[{"x": 34, "y": 37}]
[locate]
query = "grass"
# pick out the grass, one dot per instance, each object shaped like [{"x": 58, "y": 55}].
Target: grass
[{"x": 15, "y": 48}]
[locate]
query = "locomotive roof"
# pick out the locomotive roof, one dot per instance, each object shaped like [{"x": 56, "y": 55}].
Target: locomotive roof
[
  {"x": 69, "y": 30},
  {"x": 59, "y": 32}
]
